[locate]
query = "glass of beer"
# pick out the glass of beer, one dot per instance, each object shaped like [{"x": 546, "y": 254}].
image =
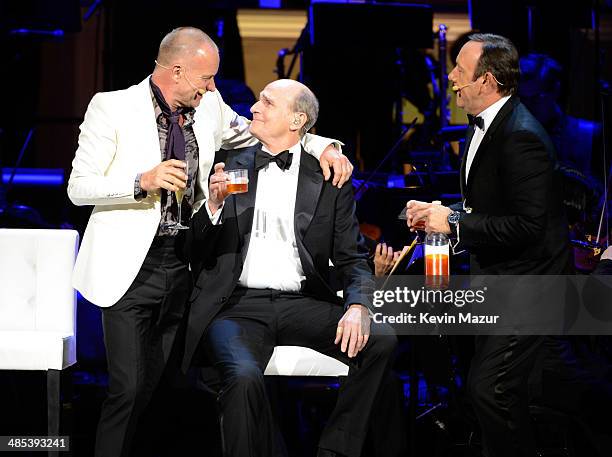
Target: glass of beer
[{"x": 238, "y": 181}]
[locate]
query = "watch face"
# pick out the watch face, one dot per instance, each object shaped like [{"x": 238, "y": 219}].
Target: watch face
[{"x": 453, "y": 217}]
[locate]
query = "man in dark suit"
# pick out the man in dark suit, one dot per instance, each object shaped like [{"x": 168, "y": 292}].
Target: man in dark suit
[
  {"x": 262, "y": 265},
  {"x": 511, "y": 220}
]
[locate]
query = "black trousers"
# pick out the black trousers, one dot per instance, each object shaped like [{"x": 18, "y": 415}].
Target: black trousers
[
  {"x": 498, "y": 388},
  {"x": 139, "y": 335},
  {"x": 240, "y": 341}
]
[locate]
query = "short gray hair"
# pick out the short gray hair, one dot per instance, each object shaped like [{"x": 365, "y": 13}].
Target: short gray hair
[
  {"x": 306, "y": 102},
  {"x": 181, "y": 42}
]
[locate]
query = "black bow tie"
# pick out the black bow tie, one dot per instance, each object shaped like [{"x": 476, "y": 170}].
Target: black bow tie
[
  {"x": 476, "y": 120},
  {"x": 283, "y": 159}
]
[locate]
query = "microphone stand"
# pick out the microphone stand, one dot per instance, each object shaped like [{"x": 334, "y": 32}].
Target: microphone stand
[
  {"x": 92, "y": 9},
  {"x": 5, "y": 207},
  {"x": 363, "y": 186},
  {"x": 601, "y": 96},
  {"x": 607, "y": 179},
  {"x": 296, "y": 51}
]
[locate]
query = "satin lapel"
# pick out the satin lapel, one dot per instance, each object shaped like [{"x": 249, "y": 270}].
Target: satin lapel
[
  {"x": 468, "y": 141},
  {"x": 245, "y": 203},
  {"x": 484, "y": 144},
  {"x": 310, "y": 184}
]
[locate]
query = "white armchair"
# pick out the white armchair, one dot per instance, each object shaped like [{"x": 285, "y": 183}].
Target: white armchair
[
  {"x": 302, "y": 361},
  {"x": 38, "y": 306}
]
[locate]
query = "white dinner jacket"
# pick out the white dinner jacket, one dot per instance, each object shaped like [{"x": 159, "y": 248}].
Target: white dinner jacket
[{"x": 118, "y": 140}]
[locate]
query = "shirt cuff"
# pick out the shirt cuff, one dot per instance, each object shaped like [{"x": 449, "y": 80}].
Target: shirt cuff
[
  {"x": 216, "y": 218},
  {"x": 139, "y": 193}
]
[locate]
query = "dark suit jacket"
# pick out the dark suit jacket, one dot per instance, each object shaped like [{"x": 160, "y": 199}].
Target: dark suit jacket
[
  {"x": 325, "y": 228},
  {"x": 517, "y": 224}
]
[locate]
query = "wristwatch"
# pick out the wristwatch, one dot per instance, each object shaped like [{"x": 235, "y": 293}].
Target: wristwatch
[{"x": 453, "y": 220}]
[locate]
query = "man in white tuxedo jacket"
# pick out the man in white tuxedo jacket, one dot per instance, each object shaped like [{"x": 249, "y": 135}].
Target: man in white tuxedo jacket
[{"x": 136, "y": 148}]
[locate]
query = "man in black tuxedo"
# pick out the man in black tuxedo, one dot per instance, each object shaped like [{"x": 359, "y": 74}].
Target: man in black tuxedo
[
  {"x": 262, "y": 265},
  {"x": 511, "y": 220}
]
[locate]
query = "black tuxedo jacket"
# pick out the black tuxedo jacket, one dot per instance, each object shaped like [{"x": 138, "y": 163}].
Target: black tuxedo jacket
[
  {"x": 325, "y": 228},
  {"x": 517, "y": 224}
]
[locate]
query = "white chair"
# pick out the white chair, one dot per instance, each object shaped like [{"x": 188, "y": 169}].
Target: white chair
[
  {"x": 38, "y": 306},
  {"x": 301, "y": 361}
]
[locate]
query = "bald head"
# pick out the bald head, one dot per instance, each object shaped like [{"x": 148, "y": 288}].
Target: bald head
[
  {"x": 186, "y": 65},
  {"x": 286, "y": 110},
  {"x": 302, "y": 101},
  {"x": 184, "y": 43}
]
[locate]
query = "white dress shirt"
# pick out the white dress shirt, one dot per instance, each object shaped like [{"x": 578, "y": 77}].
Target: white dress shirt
[
  {"x": 273, "y": 260},
  {"x": 487, "y": 115}
]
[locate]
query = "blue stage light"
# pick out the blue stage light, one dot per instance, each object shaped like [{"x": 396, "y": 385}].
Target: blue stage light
[
  {"x": 47, "y": 177},
  {"x": 58, "y": 33}
]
